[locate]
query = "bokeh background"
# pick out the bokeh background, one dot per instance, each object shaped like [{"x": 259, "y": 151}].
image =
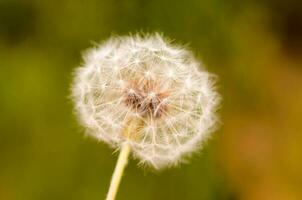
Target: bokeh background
[{"x": 255, "y": 47}]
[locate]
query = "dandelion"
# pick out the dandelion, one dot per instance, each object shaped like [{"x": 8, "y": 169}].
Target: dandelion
[{"x": 145, "y": 95}]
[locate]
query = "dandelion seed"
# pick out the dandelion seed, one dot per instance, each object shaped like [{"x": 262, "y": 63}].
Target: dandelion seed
[{"x": 148, "y": 95}]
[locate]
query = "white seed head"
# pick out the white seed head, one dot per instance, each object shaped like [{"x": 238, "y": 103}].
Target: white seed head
[{"x": 147, "y": 81}]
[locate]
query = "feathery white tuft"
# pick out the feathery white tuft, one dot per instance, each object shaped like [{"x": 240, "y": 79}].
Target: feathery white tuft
[{"x": 150, "y": 79}]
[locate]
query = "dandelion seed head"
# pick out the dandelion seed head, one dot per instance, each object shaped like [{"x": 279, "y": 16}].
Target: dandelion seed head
[{"x": 150, "y": 79}]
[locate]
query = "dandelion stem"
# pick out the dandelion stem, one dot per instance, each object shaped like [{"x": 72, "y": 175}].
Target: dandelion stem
[{"x": 118, "y": 171}]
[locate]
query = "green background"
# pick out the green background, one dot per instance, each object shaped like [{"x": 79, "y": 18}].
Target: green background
[{"x": 253, "y": 46}]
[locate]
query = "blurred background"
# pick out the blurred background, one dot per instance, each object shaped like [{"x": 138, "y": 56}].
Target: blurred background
[{"x": 255, "y": 47}]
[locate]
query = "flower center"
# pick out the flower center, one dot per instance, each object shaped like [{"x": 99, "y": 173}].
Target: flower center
[{"x": 146, "y": 98}]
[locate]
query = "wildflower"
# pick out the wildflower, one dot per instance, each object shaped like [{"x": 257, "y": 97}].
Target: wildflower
[{"x": 149, "y": 93}]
